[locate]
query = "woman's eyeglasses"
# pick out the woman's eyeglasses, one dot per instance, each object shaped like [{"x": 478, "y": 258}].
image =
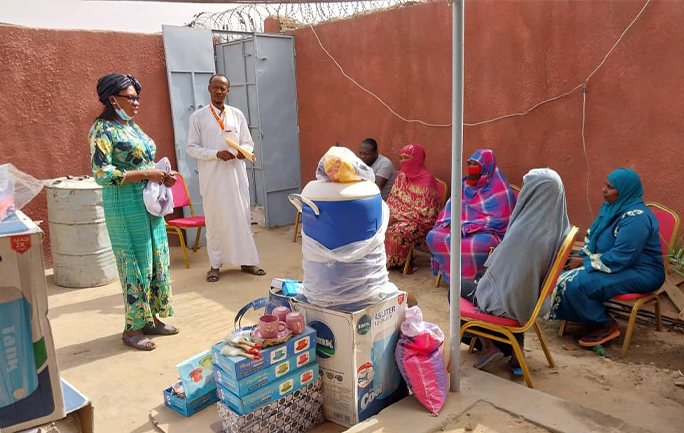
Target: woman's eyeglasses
[{"x": 130, "y": 98}]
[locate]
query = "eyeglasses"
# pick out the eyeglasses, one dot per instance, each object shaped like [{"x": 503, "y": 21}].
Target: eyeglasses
[{"x": 130, "y": 98}]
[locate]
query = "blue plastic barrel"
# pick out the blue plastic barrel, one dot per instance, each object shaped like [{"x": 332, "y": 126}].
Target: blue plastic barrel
[{"x": 337, "y": 214}]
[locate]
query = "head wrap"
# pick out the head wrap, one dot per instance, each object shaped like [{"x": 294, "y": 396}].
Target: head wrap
[
  {"x": 538, "y": 227},
  {"x": 414, "y": 167},
  {"x": 487, "y": 206},
  {"x": 112, "y": 84},
  {"x": 628, "y": 186}
]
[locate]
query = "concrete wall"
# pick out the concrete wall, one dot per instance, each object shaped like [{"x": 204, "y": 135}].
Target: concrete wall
[
  {"x": 517, "y": 53},
  {"x": 48, "y": 99}
]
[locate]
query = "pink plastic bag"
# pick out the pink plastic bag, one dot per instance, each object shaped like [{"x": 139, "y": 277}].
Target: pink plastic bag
[{"x": 421, "y": 361}]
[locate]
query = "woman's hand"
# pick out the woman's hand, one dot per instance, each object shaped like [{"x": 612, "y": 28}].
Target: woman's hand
[
  {"x": 170, "y": 179},
  {"x": 156, "y": 175},
  {"x": 574, "y": 263}
]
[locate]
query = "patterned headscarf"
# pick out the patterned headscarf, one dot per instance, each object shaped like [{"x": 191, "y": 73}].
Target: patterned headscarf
[
  {"x": 112, "y": 84},
  {"x": 628, "y": 185},
  {"x": 414, "y": 168},
  {"x": 488, "y": 205}
]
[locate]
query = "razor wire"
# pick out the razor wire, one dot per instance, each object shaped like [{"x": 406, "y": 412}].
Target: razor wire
[{"x": 248, "y": 16}]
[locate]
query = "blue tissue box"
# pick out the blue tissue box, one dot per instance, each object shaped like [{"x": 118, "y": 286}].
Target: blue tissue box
[
  {"x": 239, "y": 367},
  {"x": 268, "y": 375},
  {"x": 269, "y": 393},
  {"x": 189, "y": 408}
]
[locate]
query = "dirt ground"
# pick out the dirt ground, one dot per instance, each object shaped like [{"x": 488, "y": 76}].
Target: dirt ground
[
  {"x": 126, "y": 385},
  {"x": 485, "y": 418}
]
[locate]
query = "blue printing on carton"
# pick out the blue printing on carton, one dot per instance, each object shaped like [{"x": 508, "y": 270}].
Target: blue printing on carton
[
  {"x": 241, "y": 367},
  {"x": 387, "y": 385},
  {"x": 269, "y": 393},
  {"x": 189, "y": 408},
  {"x": 250, "y": 383}
]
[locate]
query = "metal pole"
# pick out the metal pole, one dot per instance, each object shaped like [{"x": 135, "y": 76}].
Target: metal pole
[{"x": 456, "y": 175}]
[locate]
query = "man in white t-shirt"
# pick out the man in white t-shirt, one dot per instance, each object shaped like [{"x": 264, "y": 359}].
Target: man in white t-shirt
[{"x": 381, "y": 165}]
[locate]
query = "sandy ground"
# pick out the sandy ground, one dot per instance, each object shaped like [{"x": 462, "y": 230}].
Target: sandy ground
[
  {"x": 125, "y": 385},
  {"x": 485, "y": 418}
]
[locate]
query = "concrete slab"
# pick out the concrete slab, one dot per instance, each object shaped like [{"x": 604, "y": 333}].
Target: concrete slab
[{"x": 549, "y": 412}]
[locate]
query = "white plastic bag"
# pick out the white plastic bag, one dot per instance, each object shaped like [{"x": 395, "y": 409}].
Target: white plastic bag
[
  {"x": 340, "y": 164},
  {"x": 16, "y": 189},
  {"x": 157, "y": 196},
  {"x": 350, "y": 277}
]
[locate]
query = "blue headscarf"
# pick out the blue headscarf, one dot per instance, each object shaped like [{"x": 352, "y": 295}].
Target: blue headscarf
[{"x": 628, "y": 186}]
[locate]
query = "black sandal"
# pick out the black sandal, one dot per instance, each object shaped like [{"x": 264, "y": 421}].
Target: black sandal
[{"x": 213, "y": 275}]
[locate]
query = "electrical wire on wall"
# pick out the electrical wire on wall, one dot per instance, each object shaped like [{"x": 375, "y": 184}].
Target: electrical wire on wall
[
  {"x": 582, "y": 86},
  {"x": 250, "y": 17}
]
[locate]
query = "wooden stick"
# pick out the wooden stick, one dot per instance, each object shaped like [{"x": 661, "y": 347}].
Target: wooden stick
[{"x": 249, "y": 155}]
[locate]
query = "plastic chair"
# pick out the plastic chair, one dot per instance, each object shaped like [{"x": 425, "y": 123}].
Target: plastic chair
[
  {"x": 516, "y": 191},
  {"x": 478, "y": 323},
  {"x": 181, "y": 198},
  {"x": 298, "y": 220},
  {"x": 668, "y": 220},
  {"x": 443, "y": 190}
]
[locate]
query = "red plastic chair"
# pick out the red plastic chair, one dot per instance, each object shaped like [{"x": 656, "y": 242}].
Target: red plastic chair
[
  {"x": 478, "y": 323},
  {"x": 668, "y": 220},
  {"x": 181, "y": 198},
  {"x": 443, "y": 190},
  {"x": 516, "y": 191}
]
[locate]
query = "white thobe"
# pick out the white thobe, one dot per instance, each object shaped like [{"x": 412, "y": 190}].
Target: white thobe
[{"x": 223, "y": 185}]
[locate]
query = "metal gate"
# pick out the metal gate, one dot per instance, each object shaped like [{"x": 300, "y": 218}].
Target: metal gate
[
  {"x": 261, "y": 70},
  {"x": 262, "y": 85},
  {"x": 189, "y": 65}
]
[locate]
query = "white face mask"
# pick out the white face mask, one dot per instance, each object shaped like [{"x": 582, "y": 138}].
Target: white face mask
[{"x": 120, "y": 111}]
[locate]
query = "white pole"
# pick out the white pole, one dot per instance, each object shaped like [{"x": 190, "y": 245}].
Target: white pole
[{"x": 456, "y": 175}]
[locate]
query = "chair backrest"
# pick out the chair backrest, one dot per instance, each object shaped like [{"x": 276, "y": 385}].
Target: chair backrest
[
  {"x": 516, "y": 190},
  {"x": 668, "y": 222},
  {"x": 555, "y": 271},
  {"x": 443, "y": 190},
  {"x": 181, "y": 195}
]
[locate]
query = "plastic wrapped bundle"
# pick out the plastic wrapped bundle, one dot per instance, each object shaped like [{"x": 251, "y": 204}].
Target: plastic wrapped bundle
[{"x": 349, "y": 277}]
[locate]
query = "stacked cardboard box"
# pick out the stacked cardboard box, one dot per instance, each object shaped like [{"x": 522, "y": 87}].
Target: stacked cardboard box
[
  {"x": 359, "y": 373},
  {"x": 30, "y": 389},
  {"x": 264, "y": 394}
]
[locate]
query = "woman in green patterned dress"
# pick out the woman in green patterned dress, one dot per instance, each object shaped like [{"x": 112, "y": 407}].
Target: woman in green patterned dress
[{"x": 122, "y": 158}]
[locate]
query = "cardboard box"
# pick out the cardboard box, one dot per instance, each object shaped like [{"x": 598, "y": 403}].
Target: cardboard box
[
  {"x": 240, "y": 367},
  {"x": 80, "y": 414},
  {"x": 28, "y": 363},
  {"x": 189, "y": 408},
  {"x": 356, "y": 353},
  {"x": 295, "y": 413},
  {"x": 269, "y": 393},
  {"x": 249, "y": 384}
]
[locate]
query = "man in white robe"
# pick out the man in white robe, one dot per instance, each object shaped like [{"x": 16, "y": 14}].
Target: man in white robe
[{"x": 223, "y": 181}]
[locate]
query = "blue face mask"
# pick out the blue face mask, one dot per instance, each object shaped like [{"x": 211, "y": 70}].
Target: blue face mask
[{"x": 122, "y": 114}]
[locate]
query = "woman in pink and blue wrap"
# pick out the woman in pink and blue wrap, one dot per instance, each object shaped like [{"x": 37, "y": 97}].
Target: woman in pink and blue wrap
[{"x": 488, "y": 201}]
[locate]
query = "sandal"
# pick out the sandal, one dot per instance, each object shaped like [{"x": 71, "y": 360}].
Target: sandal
[
  {"x": 138, "y": 341},
  {"x": 254, "y": 270},
  {"x": 160, "y": 329},
  {"x": 585, "y": 342},
  {"x": 515, "y": 369},
  {"x": 484, "y": 362},
  {"x": 213, "y": 275}
]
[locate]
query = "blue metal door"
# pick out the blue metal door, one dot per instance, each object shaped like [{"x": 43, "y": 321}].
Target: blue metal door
[
  {"x": 189, "y": 65},
  {"x": 261, "y": 70}
]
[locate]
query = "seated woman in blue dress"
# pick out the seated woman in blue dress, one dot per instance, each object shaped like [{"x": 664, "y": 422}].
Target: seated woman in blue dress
[{"x": 622, "y": 254}]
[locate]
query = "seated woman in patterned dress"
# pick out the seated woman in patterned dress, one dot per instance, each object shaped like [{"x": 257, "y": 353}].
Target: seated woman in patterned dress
[
  {"x": 622, "y": 254},
  {"x": 488, "y": 201},
  {"x": 414, "y": 204}
]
